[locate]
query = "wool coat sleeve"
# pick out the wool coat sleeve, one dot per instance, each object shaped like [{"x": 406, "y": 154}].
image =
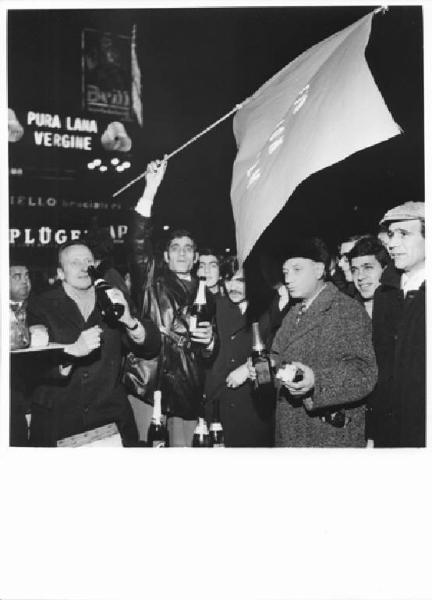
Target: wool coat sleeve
[{"x": 353, "y": 373}]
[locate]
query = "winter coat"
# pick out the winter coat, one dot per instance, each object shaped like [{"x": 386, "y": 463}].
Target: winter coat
[
  {"x": 247, "y": 416},
  {"x": 92, "y": 394},
  {"x": 398, "y": 405},
  {"x": 333, "y": 338},
  {"x": 167, "y": 300}
]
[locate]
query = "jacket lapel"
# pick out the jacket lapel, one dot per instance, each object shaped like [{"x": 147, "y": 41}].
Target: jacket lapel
[{"x": 312, "y": 317}]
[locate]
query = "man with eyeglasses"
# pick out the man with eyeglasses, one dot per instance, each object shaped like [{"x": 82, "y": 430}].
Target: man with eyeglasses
[
  {"x": 342, "y": 278},
  {"x": 399, "y": 334},
  {"x": 79, "y": 387}
]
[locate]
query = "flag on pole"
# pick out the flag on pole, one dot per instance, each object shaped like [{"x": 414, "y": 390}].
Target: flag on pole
[
  {"x": 319, "y": 109},
  {"x": 136, "y": 81}
]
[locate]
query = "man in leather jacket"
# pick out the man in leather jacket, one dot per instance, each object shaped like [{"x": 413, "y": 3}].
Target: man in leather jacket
[{"x": 167, "y": 296}]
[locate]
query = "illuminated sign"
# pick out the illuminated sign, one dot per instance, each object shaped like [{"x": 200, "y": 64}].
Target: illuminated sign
[
  {"x": 53, "y": 131},
  {"x": 106, "y": 73},
  {"x": 31, "y": 201},
  {"x": 48, "y": 236}
]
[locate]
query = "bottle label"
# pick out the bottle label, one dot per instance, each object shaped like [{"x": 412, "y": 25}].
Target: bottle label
[
  {"x": 218, "y": 445},
  {"x": 263, "y": 372}
]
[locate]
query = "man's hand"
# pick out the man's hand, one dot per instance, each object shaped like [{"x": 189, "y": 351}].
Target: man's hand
[
  {"x": 88, "y": 341},
  {"x": 134, "y": 327},
  {"x": 238, "y": 377},
  {"x": 154, "y": 175},
  {"x": 203, "y": 334},
  {"x": 301, "y": 388},
  {"x": 155, "y": 172},
  {"x": 117, "y": 296}
]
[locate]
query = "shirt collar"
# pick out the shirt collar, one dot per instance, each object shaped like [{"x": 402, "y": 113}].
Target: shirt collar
[
  {"x": 16, "y": 304},
  {"x": 412, "y": 282}
]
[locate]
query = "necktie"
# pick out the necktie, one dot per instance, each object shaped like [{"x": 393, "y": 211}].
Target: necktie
[{"x": 301, "y": 312}]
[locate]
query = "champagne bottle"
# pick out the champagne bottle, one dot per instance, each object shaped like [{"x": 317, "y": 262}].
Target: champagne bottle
[
  {"x": 111, "y": 311},
  {"x": 199, "y": 311},
  {"x": 157, "y": 434},
  {"x": 260, "y": 359},
  {"x": 201, "y": 437},
  {"x": 216, "y": 429}
]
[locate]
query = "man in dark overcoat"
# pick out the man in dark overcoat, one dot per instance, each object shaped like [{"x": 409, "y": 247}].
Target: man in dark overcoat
[
  {"x": 398, "y": 408},
  {"x": 80, "y": 387}
]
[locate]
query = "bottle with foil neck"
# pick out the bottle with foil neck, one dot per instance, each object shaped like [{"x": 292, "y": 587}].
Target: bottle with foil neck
[
  {"x": 216, "y": 429},
  {"x": 199, "y": 311},
  {"x": 157, "y": 434},
  {"x": 260, "y": 359},
  {"x": 201, "y": 437}
]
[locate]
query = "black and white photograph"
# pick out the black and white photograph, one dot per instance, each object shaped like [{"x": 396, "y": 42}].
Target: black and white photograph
[{"x": 216, "y": 239}]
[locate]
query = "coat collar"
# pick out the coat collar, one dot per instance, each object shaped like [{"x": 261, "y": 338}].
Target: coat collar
[
  {"x": 67, "y": 307},
  {"x": 391, "y": 279}
]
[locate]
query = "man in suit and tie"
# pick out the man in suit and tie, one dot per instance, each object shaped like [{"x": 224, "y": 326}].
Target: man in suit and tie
[{"x": 398, "y": 412}]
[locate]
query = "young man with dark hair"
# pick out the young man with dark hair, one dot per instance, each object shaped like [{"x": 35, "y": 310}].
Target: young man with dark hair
[
  {"x": 209, "y": 267},
  {"x": 80, "y": 386},
  {"x": 367, "y": 260},
  {"x": 327, "y": 336},
  {"x": 168, "y": 297},
  {"x": 398, "y": 412},
  {"x": 247, "y": 416}
]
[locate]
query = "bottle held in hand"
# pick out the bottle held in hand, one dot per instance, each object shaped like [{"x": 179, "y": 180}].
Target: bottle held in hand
[
  {"x": 216, "y": 430},
  {"x": 199, "y": 311},
  {"x": 111, "y": 311},
  {"x": 260, "y": 359},
  {"x": 157, "y": 434}
]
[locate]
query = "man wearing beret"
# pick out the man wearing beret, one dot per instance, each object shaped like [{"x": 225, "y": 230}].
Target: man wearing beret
[
  {"x": 398, "y": 408},
  {"x": 327, "y": 336}
]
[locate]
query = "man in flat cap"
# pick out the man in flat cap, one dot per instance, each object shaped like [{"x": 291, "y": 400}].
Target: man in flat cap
[
  {"x": 327, "y": 336},
  {"x": 398, "y": 409}
]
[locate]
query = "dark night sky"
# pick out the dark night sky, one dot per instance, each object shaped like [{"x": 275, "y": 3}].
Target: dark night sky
[{"x": 196, "y": 64}]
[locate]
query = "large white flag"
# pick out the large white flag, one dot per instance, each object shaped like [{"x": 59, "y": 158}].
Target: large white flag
[{"x": 319, "y": 109}]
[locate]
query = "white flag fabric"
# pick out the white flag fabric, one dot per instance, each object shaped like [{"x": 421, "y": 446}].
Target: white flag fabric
[{"x": 319, "y": 109}]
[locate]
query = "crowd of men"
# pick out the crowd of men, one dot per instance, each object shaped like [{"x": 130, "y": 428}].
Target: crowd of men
[{"x": 353, "y": 328}]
